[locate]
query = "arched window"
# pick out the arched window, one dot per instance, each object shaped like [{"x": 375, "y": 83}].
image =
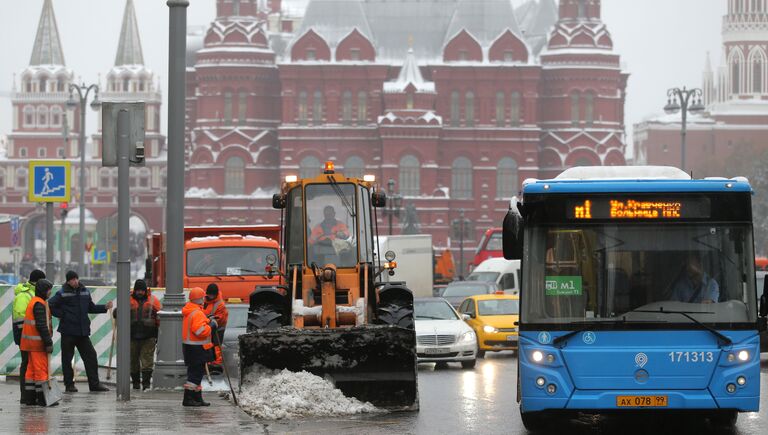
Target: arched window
[
  {"x": 362, "y": 107},
  {"x": 455, "y": 115},
  {"x": 242, "y": 107},
  {"x": 506, "y": 178},
  {"x": 126, "y": 84},
  {"x": 235, "y": 7},
  {"x": 410, "y": 176},
  {"x": 514, "y": 109},
  {"x": 302, "y": 115},
  {"x": 227, "y": 107},
  {"x": 354, "y": 167},
  {"x": 582, "y": 9},
  {"x": 500, "y": 115},
  {"x": 2, "y": 178},
  {"x": 575, "y": 108},
  {"x": 409, "y": 100},
  {"x": 21, "y": 178},
  {"x": 56, "y": 113},
  {"x": 589, "y": 108},
  {"x": 104, "y": 178},
  {"x": 113, "y": 176},
  {"x": 42, "y": 116},
  {"x": 346, "y": 107},
  {"x": 757, "y": 60},
  {"x": 309, "y": 167},
  {"x": 461, "y": 178},
  {"x": 317, "y": 108},
  {"x": 23, "y": 152},
  {"x": 735, "y": 76},
  {"x": 469, "y": 110},
  {"x": 42, "y": 152},
  {"x": 43, "y": 84},
  {"x": 29, "y": 116},
  {"x": 234, "y": 176},
  {"x": 144, "y": 178}
]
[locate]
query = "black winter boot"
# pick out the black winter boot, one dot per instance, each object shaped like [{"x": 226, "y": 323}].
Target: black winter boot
[
  {"x": 135, "y": 380},
  {"x": 29, "y": 397},
  {"x": 146, "y": 380},
  {"x": 40, "y": 398},
  {"x": 189, "y": 399},
  {"x": 199, "y": 399}
]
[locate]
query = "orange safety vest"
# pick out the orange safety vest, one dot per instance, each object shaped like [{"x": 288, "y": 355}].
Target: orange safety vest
[
  {"x": 149, "y": 309},
  {"x": 318, "y": 232},
  {"x": 195, "y": 330},
  {"x": 31, "y": 341},
  {"x": 218, "y": 310}
]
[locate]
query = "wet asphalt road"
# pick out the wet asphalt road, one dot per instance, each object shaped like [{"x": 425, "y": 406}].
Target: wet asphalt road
[{"x": 453, "y": 401}]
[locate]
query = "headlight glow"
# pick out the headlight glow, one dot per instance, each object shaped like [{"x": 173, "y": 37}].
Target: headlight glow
[
  {"x": 743, "y": 355},
  {"x": 537, "y": 356},
  {"x": 467, "y": 337},
  {"x": 540, "y": 381},
  {"x": 489, "y": 329},
  {"x": 741, "y": 380}
]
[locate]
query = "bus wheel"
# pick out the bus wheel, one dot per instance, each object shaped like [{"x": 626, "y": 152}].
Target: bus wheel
[
  {"x": 533, "y": 421},
  {"x": 724, "y": 419}
]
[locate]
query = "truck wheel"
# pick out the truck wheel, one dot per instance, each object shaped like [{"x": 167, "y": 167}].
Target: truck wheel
[
  {"x": 533, "y": 421},
  {"x": 724, "y": 419},
  {"x": 398, "y": 313},
  {"x": 266, "y": 316}
]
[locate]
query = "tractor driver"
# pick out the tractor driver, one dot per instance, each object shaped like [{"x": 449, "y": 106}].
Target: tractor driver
[{"x": 329, "y": 229}]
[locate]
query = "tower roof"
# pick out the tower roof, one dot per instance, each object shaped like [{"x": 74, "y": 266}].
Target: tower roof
[
  {"x": 129, "y": 48},
  {"x": 47, "y": 49},
  {"x": 410, "y": 74}
]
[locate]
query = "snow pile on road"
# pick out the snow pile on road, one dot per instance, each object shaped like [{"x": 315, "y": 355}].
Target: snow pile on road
[{"x": 277, "y": 394}]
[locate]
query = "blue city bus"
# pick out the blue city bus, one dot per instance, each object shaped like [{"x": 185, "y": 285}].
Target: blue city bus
[{"x": 638, "y": 294}]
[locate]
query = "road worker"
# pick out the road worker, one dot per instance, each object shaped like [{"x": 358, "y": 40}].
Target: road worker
[
  {"x": 23, "y": 293},
  {"x": 37, "y": 342},
  {"x": 215, "y": 307},
  {"x": 196, "y": 333}
]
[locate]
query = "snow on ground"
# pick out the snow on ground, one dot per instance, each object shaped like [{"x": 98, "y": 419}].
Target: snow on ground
[{"x": 278, "y": 394}]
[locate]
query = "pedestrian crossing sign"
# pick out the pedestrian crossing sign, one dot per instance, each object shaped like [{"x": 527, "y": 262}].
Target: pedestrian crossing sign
[{"x": 49, "y": 180}]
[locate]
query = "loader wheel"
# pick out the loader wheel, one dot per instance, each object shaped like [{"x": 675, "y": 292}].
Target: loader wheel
[
  {"x": 398, "y": 313},
  {"x": 266, "y": 316}
]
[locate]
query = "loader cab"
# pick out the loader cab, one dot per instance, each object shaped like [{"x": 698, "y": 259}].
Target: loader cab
[{"x": 328, "y": 221}]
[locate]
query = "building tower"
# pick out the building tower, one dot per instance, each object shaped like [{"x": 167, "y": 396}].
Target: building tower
[
  {"x": 235, "y": 97},
  {"x": 583, "y": 90}
]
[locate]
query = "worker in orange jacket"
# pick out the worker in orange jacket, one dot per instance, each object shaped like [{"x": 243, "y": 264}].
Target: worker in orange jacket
[
  {"x": 37, "y": 342},
  {"x": 214, "y": 307},
  {"x": 196, "y": 333}
]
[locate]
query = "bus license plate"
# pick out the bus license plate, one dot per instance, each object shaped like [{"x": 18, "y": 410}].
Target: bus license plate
[
  {"x": 641, "y": 401},
  {"x": 437, "y": 350}
]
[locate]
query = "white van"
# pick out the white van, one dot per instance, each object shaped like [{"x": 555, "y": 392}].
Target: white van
[{"x": 505, "y": 273}]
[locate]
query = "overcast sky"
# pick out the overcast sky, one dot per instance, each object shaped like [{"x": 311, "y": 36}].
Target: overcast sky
[{"x": 662, "y": 43}]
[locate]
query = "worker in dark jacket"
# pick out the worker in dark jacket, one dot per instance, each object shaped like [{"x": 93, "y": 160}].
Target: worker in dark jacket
[
  {"x": 144, "y": 325},
  {"x": 37, "y": 342},
  {"x": 71, "y": 305}
]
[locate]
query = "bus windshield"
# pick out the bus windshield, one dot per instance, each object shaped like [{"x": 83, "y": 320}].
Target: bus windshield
[{"x": 631, "y": 272}]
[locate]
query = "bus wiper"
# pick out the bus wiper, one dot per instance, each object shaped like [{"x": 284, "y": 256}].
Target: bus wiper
[
  {"x": 721, "y": 338},
  {"x": 563, "y": 338}
]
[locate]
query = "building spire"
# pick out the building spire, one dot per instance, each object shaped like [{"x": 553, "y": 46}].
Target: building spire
[
  {"x": 47, "y": 49},
  {"x": 129, "y": 48}
]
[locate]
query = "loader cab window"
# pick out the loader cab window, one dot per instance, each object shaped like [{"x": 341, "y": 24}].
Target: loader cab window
[
  {"x": 366, "y": 237},
  {"x": 294, "y": 240},
  {"x": 331, "y": 211}
]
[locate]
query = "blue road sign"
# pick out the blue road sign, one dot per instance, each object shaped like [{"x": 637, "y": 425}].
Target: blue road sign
[
  {"x": 15, "y": 224},
  {"x": 49, "y": 180}
]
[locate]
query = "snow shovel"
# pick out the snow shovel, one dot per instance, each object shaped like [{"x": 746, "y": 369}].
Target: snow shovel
[
  {"x": 224, "y": 365},
  {"x": 111, "y": 346},
  {"x": 208, "y": 374}
]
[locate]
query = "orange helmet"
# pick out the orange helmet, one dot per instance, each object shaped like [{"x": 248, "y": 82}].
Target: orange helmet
[{"x": 197, "y": 294}]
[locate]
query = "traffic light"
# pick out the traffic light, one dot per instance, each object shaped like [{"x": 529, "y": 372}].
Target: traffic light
[{"x": 64, "y": 209}]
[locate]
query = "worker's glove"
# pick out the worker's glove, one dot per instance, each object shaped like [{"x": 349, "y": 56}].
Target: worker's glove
[
  {"x": 213, "y": 323},
  {"x": 48, "y": 349}
]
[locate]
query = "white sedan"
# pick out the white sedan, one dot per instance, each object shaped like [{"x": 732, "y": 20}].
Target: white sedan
[{"x": 441, "y": 334}]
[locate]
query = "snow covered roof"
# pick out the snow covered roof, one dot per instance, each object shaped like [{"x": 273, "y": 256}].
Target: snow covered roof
[
  {"x": 485, "y": 20},
  {"x": 198, "y": 192},
  {"x": 623, "y": 173},
  {"x": 676, "y": 118},
  {"x": 410, "y": 74},
  {"x": 47, "y": 49},
  {"x": 536, "y": 20},
  {"x": 129, "y": 48}
]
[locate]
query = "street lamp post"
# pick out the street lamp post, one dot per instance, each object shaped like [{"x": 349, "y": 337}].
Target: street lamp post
[
  {"x": 394, "y": 205},
  {"x": 687, "y": 100},
  {"x": 82, "y": 92},
  {"x": 460, "y": 228}
]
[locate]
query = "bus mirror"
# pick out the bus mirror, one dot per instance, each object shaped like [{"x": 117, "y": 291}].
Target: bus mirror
[
  {"x": 379, "y": 199},
  {"x": 278, "y": 201},
  {"x": 512, "y": 235}
]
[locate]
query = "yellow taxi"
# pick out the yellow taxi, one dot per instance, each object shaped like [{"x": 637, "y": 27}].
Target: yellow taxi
[{"x": 493, "y": 318}]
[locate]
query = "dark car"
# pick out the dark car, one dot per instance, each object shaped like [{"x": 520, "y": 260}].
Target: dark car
[
  {"x": 236, "y": 323},
  {"x": 457, "y": 291}
]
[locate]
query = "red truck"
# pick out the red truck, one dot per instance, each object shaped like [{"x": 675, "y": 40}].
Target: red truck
[
  {"x": 489, "y": 247},
  {"x": 234, "y": 257}
]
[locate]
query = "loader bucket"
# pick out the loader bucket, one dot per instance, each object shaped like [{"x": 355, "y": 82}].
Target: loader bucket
[{"x": 372, "y": 363}]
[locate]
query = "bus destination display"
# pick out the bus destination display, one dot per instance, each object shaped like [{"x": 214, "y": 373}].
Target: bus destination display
[{"x": 638, "y": 208}]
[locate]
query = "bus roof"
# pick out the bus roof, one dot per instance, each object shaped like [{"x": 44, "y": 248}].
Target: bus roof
[{"x": 632, "y": 179}]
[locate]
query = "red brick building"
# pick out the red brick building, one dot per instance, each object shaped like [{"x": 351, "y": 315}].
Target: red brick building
[
  {"x": 735, "y": 96},
  {"x": 458, "y": 101}
]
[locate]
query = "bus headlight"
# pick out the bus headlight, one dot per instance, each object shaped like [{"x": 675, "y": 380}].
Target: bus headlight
[
  {"x": 743, "y": 355},
  {"x": 741, "y": 380},
  {"x": 489, "y": 329},
  {"x": 537, "y": 356},
  {"x": 540, "y": 381}
]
